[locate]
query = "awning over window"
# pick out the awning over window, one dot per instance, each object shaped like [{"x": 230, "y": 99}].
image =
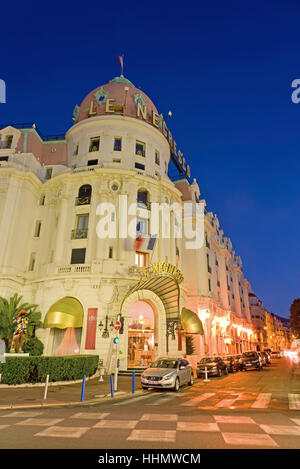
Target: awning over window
[
  {"x": 67, "y": 312},
  {"x": 190, "y": 322}
]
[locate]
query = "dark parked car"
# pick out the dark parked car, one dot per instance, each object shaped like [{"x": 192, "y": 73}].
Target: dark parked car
[
  {"x": 251, "y": 360},
  {"x": 215, "y": 367},
  {"x": 263, "y": 358},
  {"x": 232, "y": 362},
  {"x": 267, "y": 356}
]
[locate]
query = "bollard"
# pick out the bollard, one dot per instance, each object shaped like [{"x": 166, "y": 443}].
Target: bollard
[
  {"x": 46, "y": 387},
  {"x": 83, "y": 388},
  {"x": 0, "y": 377},
  {"x": 133, "y": 381},
  {"x": 111, "y": 386},
  {"x": 206, "y": 380}
]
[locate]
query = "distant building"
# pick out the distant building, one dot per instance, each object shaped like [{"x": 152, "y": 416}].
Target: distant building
[{"x": 270, "y": 331}]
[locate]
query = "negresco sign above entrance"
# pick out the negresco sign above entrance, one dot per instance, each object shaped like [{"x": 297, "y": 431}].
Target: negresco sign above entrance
[{"x": 160, "y": 268}]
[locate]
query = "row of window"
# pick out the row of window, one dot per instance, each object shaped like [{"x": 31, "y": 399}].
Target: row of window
[{"x": 140, "y": 147}]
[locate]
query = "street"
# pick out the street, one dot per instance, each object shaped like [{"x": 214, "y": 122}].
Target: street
[{"x": 242, "y": 410}]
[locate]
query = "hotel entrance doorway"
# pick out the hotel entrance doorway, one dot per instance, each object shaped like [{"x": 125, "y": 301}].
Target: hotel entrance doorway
[{"x": 140, "y": 335}]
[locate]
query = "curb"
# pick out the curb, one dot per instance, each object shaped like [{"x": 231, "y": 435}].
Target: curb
[{"x": 69, "y": 404}]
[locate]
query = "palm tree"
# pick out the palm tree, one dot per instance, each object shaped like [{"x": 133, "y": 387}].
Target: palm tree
[{"x": 9, "y": 309}]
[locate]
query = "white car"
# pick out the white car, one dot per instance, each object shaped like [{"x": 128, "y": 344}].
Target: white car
[{"x": 168, "y": 373}]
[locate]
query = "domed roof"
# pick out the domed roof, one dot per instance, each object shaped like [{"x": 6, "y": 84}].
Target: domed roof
[{"x": 119, "y": 96}]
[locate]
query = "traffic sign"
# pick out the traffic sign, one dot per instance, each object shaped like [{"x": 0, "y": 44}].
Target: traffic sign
[{"x": 117, "y": 325}]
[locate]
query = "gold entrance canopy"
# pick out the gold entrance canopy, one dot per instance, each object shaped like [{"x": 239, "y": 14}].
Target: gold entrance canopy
[
  {"x": 190, "y": 322},
  {"x": 163, "y": 279},
  {"x": 67, "y": 312}
]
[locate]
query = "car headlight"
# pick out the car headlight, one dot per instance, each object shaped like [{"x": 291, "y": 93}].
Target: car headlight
[{"x": 168, "y": 376}]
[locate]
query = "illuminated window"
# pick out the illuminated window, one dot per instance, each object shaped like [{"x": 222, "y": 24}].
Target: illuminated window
[
  {"x": 118, "y": 144},
  {"x": 81, "y": 231},
  {"x": 142, "y": 259},
  {"x": 140, "y": 148},
  {"x": 94, "y": 144}
]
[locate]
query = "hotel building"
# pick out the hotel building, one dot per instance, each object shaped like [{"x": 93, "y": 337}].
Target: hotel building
[{"x": 54, "y": 192}]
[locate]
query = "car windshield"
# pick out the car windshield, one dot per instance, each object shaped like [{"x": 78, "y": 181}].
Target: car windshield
[
  {"x": 249, "y": 355},
  {"x": 208, "y": 360},
  {"x": 164, "y": 364}
]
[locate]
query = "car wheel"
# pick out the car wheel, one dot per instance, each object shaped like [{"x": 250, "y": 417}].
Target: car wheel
[
  {"x": 144, "y": 387},
  {"x": 191, "y": 381},
  {"x": 177, "y": 385}
]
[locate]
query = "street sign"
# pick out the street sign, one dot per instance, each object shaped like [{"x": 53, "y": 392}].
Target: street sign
[{"x": 117, "y": 325}]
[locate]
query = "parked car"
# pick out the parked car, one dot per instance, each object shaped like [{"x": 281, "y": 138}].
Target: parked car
[
  {"x": 232, "y": 363},
  {"x": 276, "y": 354},
  {"x": 267, "y": 355},
  {"x": 215, "y": 367},
  {"x": 238, "y": 358},
  {"x": 263, "y": 358},
  {"x": 169, "y": 373},
  {"x": 251, "y": 360}
]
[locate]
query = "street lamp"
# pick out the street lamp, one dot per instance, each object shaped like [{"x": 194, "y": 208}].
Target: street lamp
[{"x": 106, "y": 331}]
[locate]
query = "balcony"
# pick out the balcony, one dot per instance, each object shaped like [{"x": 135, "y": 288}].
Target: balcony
[
  {"x": 79, "y": 234},
  {"x": 83, "y": 200}
]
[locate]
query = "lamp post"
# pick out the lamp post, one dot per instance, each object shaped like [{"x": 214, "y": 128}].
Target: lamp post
[{"x": 101, "y": 326}]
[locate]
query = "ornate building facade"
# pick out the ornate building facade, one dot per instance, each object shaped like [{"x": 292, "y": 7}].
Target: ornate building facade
[{"x": 75, "y": 216}]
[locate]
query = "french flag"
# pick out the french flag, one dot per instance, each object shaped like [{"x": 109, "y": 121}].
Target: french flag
[
  {"x": 141, "y": 243},
  {"x": 120, "y": 60}
]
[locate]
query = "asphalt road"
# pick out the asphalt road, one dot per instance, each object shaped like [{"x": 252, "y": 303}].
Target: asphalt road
[{"x": 242, "y": 410}]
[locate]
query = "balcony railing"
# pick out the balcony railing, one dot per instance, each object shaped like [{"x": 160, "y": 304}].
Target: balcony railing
[
  {"x": 79, "y": 234},
  {"x": 83, "y": 200}
]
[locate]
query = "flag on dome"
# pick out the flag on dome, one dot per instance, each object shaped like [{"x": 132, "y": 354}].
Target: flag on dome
[{"x": 121, "y": 62}]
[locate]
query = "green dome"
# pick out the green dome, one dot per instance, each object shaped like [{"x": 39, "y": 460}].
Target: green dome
[{"x": 121, "y": 79}]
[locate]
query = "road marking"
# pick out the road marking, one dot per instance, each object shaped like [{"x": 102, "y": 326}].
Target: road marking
[
  {"x": 160, "y": 417},
  {"x": 164, "y": 436},
  {"x": 195, "y": 400},
  {"x": 297, "y": 421},
  {"x": 262, "y": 401},
  {"x": 233, "y": 419},
  {"x": 294, "y": 401},
  {"x": 22, "y": 414},
  {"x": 63, "y": 432},
  {"x": 135, "y": 399},
  {"x": 3, "y": 426},
  {"x": 120, "y": 424},
  {"x": 248, "y": 439},
  {"x": 197, "y": 427},
  {"x": 226, "y": 402},
  {"x": 281, "y": 429},
  {"x": 40, "y": 422},
  {"x": 163, "y": 400},
  {"x": 90, "y": 415}
]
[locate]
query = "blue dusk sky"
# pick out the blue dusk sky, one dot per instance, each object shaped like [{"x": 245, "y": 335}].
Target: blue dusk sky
[{"x": 224, "y": 69}]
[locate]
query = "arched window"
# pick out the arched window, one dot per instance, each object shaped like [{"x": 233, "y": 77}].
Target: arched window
[{"x": 84, "y": 195}]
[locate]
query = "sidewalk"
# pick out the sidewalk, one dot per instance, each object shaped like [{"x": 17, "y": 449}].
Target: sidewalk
[{"x": 68, "y": 394}]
